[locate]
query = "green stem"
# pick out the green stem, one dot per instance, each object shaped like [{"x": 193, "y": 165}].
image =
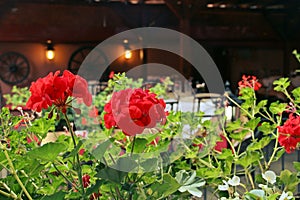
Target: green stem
[
  {"x": 250, "y": 178},
  {"x": 66, "y": 178},
  {"x": 11, "y": 195},
  {"x": 133, "y": 142},
  {"x": 239, "y": 106},
  {"x": 273, "y": 154},
  {"x": 78, "y": 164},
  {"x": 14, "y": 173}
]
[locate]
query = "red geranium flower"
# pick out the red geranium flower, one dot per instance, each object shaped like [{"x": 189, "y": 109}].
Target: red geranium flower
[
  {"x": 133, "y": 110},
  {"x": 95, "y": 195},
  {"x": 221, "y": 144},
  {"x": 83, "y": 121},
  {"x": 249, "y": 81},
  {"x": 289, "y": 133},
  {"x": 111, "y": 74},
  {"x": 55, "y": 90},
  {"x": 86, "y": 180},
  {"x": 93, "y": 112}
]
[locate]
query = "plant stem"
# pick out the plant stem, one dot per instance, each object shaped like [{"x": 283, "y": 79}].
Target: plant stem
[
  {"x": 133, "y": 142},
  {"x": 14, "y": 173},
  {"x": 78, "y": 167},
  {"x": 239, "y": 106},
  {"x": 11, "y": 195},
  {"x": 250, "y": 178},
  {"x": 66, "y": 178}
]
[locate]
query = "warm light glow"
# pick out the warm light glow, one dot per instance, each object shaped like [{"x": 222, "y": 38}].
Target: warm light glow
[
  {"x": 223, "y": 6},
  {"x": 50, "y": 50},
  {"x": 128, "y": 54},
  {"x": 50, "y": 54},
  {"x": 210, "y": 5}
]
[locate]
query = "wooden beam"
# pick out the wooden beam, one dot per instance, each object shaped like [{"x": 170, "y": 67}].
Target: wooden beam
[{"x": 172, "y": 5}]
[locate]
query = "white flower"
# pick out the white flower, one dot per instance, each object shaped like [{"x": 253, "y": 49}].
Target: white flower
[
  {"x": 285, "y": 196},
  {"x": 269, "y": 176},
  {"x": 235, "y": 181},
  {"x": 262, "y": 186},
  {"x": 223, "y": 187}
]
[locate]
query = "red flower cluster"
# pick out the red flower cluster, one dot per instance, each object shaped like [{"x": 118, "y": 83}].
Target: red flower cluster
[
  {"x": 289, "y": 133},
  {"x": 55, "y": 89},
  {"x": 249, "y": 81},
  {"x": 133, "y": 110}
]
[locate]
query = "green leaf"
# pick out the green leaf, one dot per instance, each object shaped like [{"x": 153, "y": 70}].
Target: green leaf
[
  {"x": 252, "y": 123},
  {"x": 273, "y": 196},
  {"x": 209, "y": 172},
  {"x": 277, "y": 108},
  {"x": 281, "y": 84},
  {"x": 119, "y": 170},
  {"x": 296, "y": 93},
  {"x": 111, "y": 174},
  {"x": 95, "y": 187},
  {"x": 139, "y": 145},
  {"x": 289, "y": 179},
  {"x": 226, "y": 153},
  {"x": 240, "y": 135},
  {"x": 42, "y": 126},
  {"x": 75, "y": 151},
  {"x": 260, "y": 144},
  {"x": 267, "y": 128},
  {"x": 168, "y": 186},
  {"x": 248, "y": 159},
  {"x": 297, "y": 166},
  {"x": 47, "y": 152},
  {"x": 57, "y": 196},
  {"x": 278, "y": 154},
  {"x": 99, "y": 152},
  {"x": 235, "y": 125},
  {"x": 150, "y": 164}
]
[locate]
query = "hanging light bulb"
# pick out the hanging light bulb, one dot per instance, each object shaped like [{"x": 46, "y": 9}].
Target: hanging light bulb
[
  {"x": 127, "y": 53},
  {"x": 50, "y": 54}
]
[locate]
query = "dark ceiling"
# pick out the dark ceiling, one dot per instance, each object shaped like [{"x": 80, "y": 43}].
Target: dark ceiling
[{"x": 213, "y": 21}]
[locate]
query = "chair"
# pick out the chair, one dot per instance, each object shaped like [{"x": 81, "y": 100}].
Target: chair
[
  {"x": 216, "y": 99},
  {"x": 172, "y": 99}
]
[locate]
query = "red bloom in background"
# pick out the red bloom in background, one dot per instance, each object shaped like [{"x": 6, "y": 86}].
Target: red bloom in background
[
  {"x": 86, "y": 180},
  {"x": 289, "y": 133},
  {"x": 249, "y": 81},
  {"x": 133, "y": 110},
  {"x": 221, "y": 144},
  {"x": 111, "y": 74},
  {"x": 55, "y": 90},
  {"x": 93, "y": 112},
  {"x": 83, "y": 121},
  {"x": 95, "y": 196}
]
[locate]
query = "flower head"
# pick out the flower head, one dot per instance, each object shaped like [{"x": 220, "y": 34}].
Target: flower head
[
  {"x": 269, "y": 176},
  {"x": 285, "y": 196},
  {"x": 289, "y": 133},
  {"x": 224, "y": 187},
  {"x": 133, "y": 110},
  {"x": 55, "y": 90},
  {"x": 249, "y": 82},
  {"x": 234, "y": 181},
  {"x": 86, "y": 180}
]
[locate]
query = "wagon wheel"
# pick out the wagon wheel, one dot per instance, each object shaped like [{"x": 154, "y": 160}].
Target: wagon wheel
[
  {"x": 98, "y": 58},
  {"x": 14, "y": 68},
  {"x": 77, "y": 58}
]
